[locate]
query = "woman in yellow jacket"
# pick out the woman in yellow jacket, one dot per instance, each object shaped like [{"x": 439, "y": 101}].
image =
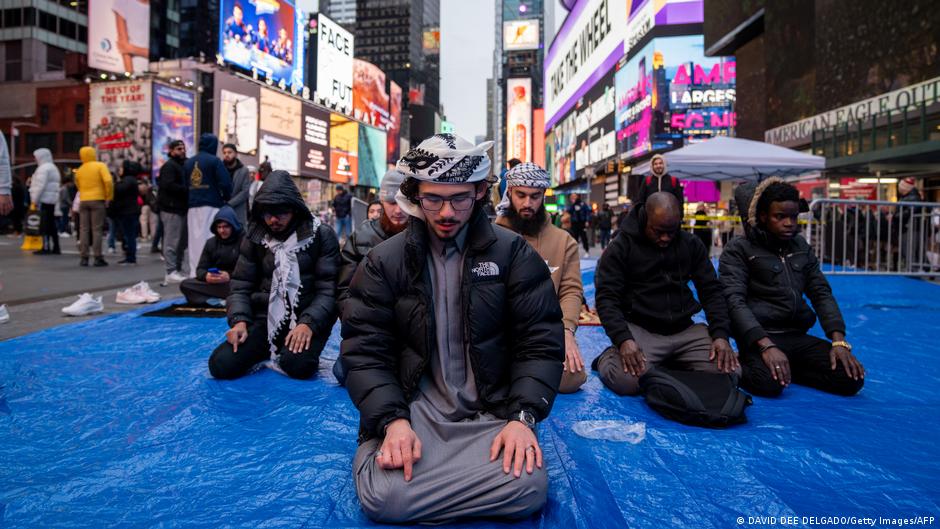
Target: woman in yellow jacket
[{"x": 95, "y": 190}]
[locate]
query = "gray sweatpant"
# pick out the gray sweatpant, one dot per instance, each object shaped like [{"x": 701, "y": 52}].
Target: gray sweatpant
[
  {"x": 454, "y": 478},
  {"x": 174, "y": 234},
  {"x": 688, "y": 350}
]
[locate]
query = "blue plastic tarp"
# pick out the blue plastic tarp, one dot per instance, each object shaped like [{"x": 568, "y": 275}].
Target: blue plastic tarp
[{"x": 116, "y": 422}]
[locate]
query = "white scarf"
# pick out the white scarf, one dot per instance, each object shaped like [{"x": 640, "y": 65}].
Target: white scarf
[{"x": 285, "y": 282}]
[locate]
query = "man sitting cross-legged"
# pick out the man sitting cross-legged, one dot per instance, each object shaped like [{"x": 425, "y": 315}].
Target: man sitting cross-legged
[
  {"x": 645, "y": 303},
  {"x": 453, "y": 346}
]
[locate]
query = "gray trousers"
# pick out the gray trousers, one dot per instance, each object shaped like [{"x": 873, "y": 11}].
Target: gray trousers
[
  {"x": 688, "y": 350},
  {"x": 453, "y": 480},
  {"x": 91, "y": 225},
  {"x": 174, "y": 231}
]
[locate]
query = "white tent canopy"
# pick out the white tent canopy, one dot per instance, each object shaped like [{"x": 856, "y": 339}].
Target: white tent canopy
[{"x": 724, "y": 158}]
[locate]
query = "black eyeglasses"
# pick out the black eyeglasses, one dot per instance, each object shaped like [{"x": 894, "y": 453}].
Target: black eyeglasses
[
  {"x": 435, "y": 203},
  {"x": 281, "y": 215}
]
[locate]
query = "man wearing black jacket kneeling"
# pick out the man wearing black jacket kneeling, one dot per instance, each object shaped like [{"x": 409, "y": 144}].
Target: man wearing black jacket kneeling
[
  {"x": 765, "y": 275},
  {"x": 645, "y": 303},
  {"x": 214, "y": 272},
  {"x": 453, "y": 345},
  {"x": 283, "y": 300}
]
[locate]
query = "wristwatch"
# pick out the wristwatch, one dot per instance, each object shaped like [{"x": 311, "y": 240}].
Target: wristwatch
[
  {"x": 843, "y": 343},
  {"x": 525, "y": 417}
]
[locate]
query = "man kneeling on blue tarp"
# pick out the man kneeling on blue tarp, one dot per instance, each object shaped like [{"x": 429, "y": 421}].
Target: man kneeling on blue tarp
[
  {"x": 453, "y": 345},
  {"x": 765, "y": 275},
  {"x": 217, "y": 262},
  {"x": 282, "y": 305}
]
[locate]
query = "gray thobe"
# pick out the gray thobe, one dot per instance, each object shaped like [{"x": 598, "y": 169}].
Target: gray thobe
[{"x": 454, "y": 478}]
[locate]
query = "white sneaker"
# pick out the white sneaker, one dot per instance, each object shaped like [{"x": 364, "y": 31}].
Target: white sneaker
[
  {"x": 111, "y": 251},
  {"x": 175, "y": 277},
  {"x": 65, "y": 235},
  {"x": 143, "y": 288},
  {"x": 130, "y": 296},
  {"x": 85, "y": 305},
  {"x": 4, "y": 314}
]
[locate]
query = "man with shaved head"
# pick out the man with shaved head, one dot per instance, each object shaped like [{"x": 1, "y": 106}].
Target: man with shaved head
[{"x": 645, "y": 303}]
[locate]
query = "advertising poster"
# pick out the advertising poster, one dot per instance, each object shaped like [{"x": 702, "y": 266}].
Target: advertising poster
[
  {"x": 521, "y": 35},
  {"x": 315, "y": 143},
  {"x": 519, "y": 119},
  {"x": 265, "y": 36},
  {"x": 370, "y": 100},
  {"x": 394, "y": 118},
  {"x": 174, "y": 118},
  {"x": 344, "y": 150},
  {"x": 280, "y": 114},
  {"x": 334, "y": 64},
  {"x": 119, "y": 35},
  {"x": 372, "y": 156},
  {"x": 280, "y": 151},
  {"x": 237, "y": 103},
  {"x": 562, "y": 148},
  {"x": 119, "y": 122},
  {"x": 594, "y": 125},
  {"x": 431, "y": 41},
  {"x": 670, "y": 94}
]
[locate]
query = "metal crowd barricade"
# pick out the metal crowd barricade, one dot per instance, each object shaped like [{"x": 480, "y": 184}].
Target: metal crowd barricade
[{"x": 876, "y": 237}]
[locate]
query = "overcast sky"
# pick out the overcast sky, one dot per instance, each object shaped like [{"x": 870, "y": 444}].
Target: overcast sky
[{"x": 466, "y": 63}]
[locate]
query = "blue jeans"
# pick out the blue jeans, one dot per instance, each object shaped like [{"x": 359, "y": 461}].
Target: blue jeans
[
  {"x": 128, "y": 225},
  {"x": 343, "y": 226}
]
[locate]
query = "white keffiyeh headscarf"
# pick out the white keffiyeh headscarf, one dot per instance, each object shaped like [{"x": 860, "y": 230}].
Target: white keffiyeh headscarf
[
  {"x": 285, "y": 281},
  {"x": 525, "y": 174},
  {"x": 444, "y": 159}
]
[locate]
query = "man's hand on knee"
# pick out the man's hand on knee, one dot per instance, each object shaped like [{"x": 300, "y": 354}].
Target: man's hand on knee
[
  {"x": 237, "y": 335},
  {"x": 298, "y": 339},
  {"x": 519, "y": 445},
  {"x": 400, "y": 449},
  {"x": 724, "y": 355},
  {"x": 634, "y": 361}
]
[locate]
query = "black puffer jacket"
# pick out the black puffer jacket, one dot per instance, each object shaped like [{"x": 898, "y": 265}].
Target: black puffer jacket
[
  {"x": 221, "y": 253},
  {"x": 369, "y": 234},
  {"x": 126, "y": 192},
  {"x": 319, "y": 262},
  {"x": 765, "y": 280},
  {"x": 640, "y": 283},
  {"x": 512, "y": 320},
  {"x": 172, "y": 193}
]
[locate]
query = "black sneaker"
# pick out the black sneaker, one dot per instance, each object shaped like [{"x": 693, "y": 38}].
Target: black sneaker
[
  {"x": 125, "y": 262},
  {"x": 83, "y": 262},
  {"x": 100, "y": 262},
  {"x": 42, "y": 252}
]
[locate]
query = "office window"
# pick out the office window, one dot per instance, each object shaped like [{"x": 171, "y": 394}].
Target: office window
[
  {"x": 13, "y": 67},
  {"x": 29, "y": 16},
  {"x": 12, "y": 18},
  {"x": 48, "y": 21},
  {"x": 80, "y": 113},
  {"x": 72, "y": 141},
  {"x": 43, "y": 114},
  {"x": 55, "y": 59},
  {"x": 36, "y": 140},
  {"x": 67, "y": 28}
]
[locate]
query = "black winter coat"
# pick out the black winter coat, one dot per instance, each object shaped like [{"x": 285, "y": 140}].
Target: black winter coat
[
  {"x": 765, "y": 281},
  {"x": 512, "y": 320},
  {"x": 319, "y": 262},
  {"x": 640, "y": 283},
  {"x": 172, "y": 192},
  {"x": 219, "y": 253},
  {"x": 125, "y": 197},
  {"x": 357, "y": 245}
]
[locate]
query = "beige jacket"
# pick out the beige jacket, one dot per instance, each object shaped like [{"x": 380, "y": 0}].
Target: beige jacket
[{"x": 560, "y": 252}]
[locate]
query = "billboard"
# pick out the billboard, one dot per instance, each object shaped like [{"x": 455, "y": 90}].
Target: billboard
[
  {"x": 119, "y": 122},
  {"x": 370, "y": 100},
  {"x": 644, "y": 15},
  {"x": 561, "y": 147},
  {"x": 394, "y": 118},
  {"x": 119, "y": 35},
  {"x": 431, "y": 41},
  {"x": 594, "y": 125},
  {"x": 372, "y": 156},
  {"x": 334, "y": 64},
  {"x": 344, "y": 150},
  {"x": 519, "y": 119},
  {"x": 279, "y": 130},
  {"x": 521, "y": 35},
  {"x": 315, "y": 143},
  {"x": 588, "y": 45},
  {"x": 174, "y": 118},
  {"x": 670, "y": 94},
  {"x": 264, "y": 36},
  {"x": 237, "y": 103}
]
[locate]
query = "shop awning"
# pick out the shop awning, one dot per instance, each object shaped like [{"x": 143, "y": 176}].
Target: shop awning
[{"x": 724, "y": 158}]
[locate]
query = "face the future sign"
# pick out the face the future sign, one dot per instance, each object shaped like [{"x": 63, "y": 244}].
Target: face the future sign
[
  {"x": 334, "y": 64},
  {"x": 587, "y": 46},
  {"x": 800, "y": 132}
]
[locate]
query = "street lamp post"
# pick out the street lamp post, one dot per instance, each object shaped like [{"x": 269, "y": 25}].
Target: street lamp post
[{"x": 13, "y": 133}]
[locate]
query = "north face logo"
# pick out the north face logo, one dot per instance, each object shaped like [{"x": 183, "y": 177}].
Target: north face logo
[{"x": 487, "y": 269}]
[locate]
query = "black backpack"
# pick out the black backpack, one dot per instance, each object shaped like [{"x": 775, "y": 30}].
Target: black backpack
[{"x": 711, "y": 400}]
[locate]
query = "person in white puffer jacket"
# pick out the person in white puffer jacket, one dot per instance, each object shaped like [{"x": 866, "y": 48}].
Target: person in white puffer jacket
[{"x": 43, "y": 195}]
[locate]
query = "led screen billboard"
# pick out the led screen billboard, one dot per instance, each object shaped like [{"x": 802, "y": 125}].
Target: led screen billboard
[
  {"x": 264, "y": 36},
  {"x": 119, "y": 35},
  {"x": 521, "y": 35},
  {"x": 344, "y": 149},
  {"x": 519, "y": 119},
  {"x": 394, "y": 128},
  {"x": 670, "y": 94},
  {"x": 237, "y": 104},
  {"x": 315, "y": 143},
  {"x": 372, "y": 156},
  {"x": 174, "y": 118},
  {"x": 370, "y": 99},
  {"x": 334, "y": 64}
]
